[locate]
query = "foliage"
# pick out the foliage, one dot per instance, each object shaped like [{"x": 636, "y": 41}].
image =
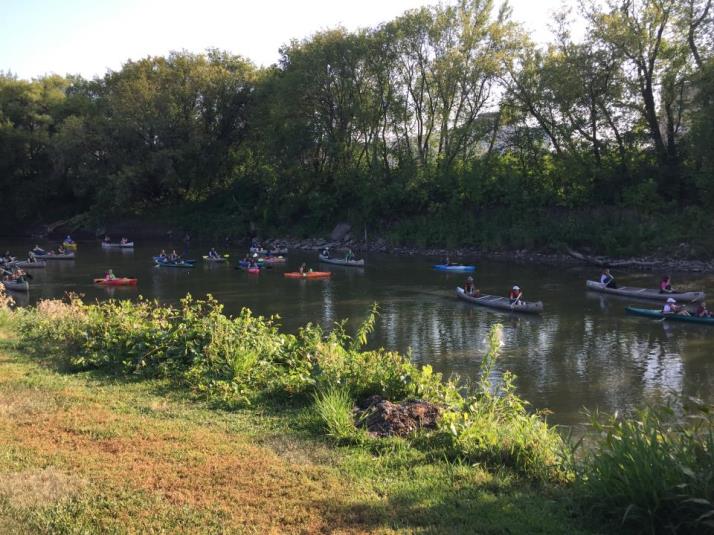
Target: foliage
[
  {"x": 443, "y": 111},
  {"x": 243, "y": 360},
  {"x": 654, "y": 472}
]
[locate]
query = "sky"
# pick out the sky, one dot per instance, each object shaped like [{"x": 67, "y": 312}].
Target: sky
[{"x": 89, "y": 37}]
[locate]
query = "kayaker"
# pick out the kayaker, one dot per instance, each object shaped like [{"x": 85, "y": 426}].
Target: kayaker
[
  {"x": 702, "y": 311},
  {"x": 665, "y": 285},
  {"x": 61, "y": 250},
  {"x": 515, "y": 295},
  {"x": 68, "y": 239},
  {"x": 607, "y": 279},
  {"x": 109, "y": 275},
  {"x": 303, "y": 269}
]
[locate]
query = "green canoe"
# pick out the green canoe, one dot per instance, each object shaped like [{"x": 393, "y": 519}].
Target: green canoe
[{"x": 656, "y": 313}]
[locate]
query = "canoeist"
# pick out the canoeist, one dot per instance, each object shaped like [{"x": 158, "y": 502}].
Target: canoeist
[
  {"x": 124, "y": 241},
  {"x": 162, "y": 255},
  {"x": 107, "y": 239},
  {"x": 31, "y": 258},
  {"x": 516, "y": 295},
  {"x": 702, "y": 311},
  {"x": 68, "y": 239},
  {"x": 109, "y": 275},
  {"x": 671, "y": 307},
  {"x": 326, "y": 252},
  {"x": 665, "y": 285},
  {"x": 303, "y": 269},
  {"x": 173, "y": 257},
  {"x": 350, "y": 255},
  {"x": 213, "y": 253},
  {"x": 61, "y": 250},
  {"x": 469, "y": 287},
  {"x": 607, "y": 279}
]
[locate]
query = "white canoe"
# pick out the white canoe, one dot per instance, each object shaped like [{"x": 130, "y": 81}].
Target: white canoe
[
  {"x": 502, "y": 303},
  {"x": 128, "y": 245},
  {"x": 341, "y": 261},
  {"x": 649, "y": 294},
  {"x": 29, "y": 265},
  {"x": 66, "y": 256}
]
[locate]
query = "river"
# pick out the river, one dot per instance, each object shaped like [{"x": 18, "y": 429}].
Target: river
[{"x": 582, "y": 352}]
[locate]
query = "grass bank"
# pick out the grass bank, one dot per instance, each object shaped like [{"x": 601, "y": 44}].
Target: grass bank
[{"x": 89, "y": 452}]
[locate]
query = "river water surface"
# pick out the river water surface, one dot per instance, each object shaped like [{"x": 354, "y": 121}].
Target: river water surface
[{"x": 582, "y": 352}]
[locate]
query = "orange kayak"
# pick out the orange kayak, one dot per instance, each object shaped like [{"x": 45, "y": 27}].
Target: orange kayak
[
  {"x": 116, "y": 282},
  {"x": 308, "y": 275}
]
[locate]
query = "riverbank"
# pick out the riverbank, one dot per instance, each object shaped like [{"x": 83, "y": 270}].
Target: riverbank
[
  {"x": 522, "y": 256},
  {"x": 95, "y": 452}
]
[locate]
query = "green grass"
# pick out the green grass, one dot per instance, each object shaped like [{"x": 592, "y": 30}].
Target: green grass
[{"x": 91, "y": 452}]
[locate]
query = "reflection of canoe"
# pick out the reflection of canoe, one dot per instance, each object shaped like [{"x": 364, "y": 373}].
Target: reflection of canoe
[
  {"x": 71, "y": 246},
  {"x": 656, "y": 313},
  {"x": 29, "y": 265},
  {"x": 645, "y": 293},
  {"x": 341, "y": 261},
  {"x": 128, "y": 245},
  {"x": 55, "y": 256},
  {"x": 454, "y": 267},
  {"x": 119, "y": 281},
  {"x": 17, "y": 286},
  {"x": 503, "y": 303},
  {"x": 308, "y": 275}
]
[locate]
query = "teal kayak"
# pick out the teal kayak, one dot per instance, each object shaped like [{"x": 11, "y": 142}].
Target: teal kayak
[{"x": 657, "y": 314}]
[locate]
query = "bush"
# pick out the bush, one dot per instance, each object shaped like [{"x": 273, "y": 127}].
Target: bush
[{"x": 654, "y": 473}]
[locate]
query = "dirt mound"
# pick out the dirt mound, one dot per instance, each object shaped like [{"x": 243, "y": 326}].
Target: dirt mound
[{"x": 383, "y": 418}]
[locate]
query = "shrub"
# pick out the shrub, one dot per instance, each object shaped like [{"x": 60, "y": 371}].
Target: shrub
[{"x": 654, "y": 472}]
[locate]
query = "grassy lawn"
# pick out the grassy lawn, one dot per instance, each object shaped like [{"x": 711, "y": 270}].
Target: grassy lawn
[{"x": 87, "y": 453}]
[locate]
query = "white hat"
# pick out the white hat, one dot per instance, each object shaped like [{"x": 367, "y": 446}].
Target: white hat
[
  {"x": 671, "y": 300},
  {"x": 516, "y": 288}
]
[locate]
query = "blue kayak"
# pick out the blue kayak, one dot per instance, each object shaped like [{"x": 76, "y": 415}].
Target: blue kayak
[{"x": 453, "y": 267}]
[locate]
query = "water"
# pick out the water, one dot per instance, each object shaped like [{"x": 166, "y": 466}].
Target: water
[{"x": 582, "y": 352}]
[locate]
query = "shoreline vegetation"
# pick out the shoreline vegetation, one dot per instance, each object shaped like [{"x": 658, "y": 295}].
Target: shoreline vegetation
[{"x": 123, "y": 416}]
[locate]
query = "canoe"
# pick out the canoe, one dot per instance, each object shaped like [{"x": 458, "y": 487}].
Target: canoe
[
  {"x": 308, "y": 275},
  {"x": 55, "y": 256},
  {"x": 119, "y": 281},
  {"x": 17, "y": 286},
  {"x": 180, "y": 264},
  {"x": 274, "y": 260},
  {"x": 503, "y": 303},
  {"x": 214, "y": 260},
  {"x": 71, "y": 246},
  {"x": 341, "y": 261},
  {"x": 278, "y": 251},
  {"x": 645, "y": 293},
  {"x": 29, "y": 265},
  {"x": 127, "y": 245},
  {"x": 657, "y": 314},
  {"x": 454, "y": 267}
]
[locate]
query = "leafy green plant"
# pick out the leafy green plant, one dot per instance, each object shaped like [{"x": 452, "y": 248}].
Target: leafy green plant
[{"x": 654, "y": 472}]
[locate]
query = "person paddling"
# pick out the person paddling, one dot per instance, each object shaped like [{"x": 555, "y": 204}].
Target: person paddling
[
  {"x": 671, "y": 308},
  {"x": 109, "y": 275},
  {"x": 665, "y": 285},
  {"x": 607, "y": 280},
  {"x": 515, "y": 295},
  {"x": 702, "y": 311},
  {"x": 469, "y": 287}
]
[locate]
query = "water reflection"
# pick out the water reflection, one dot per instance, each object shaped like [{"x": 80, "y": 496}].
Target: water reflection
[{"x": 584, "y": 351}]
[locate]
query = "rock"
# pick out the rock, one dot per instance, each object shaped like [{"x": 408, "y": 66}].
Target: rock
[
  {"x": 340, "y": 231},
  {"x": 383, "y": 418}
]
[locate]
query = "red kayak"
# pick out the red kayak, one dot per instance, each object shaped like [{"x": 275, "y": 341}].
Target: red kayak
[
  {"x": 123, "y": 281},
  {"x": 308, "y": 275}
]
